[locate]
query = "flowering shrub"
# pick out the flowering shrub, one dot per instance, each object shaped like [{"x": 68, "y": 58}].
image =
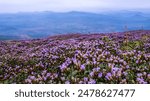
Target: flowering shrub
[{"x": 78, "y": 58}]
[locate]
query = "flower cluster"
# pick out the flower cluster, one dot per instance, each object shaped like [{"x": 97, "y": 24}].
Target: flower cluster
[{"x": 78, "y": 59}]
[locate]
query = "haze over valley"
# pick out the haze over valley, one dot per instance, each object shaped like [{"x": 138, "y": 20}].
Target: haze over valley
[{"x": 31, "y": 25}]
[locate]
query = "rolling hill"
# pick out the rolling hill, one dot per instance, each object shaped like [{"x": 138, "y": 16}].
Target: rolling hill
[{"x": 43, "y": 24}]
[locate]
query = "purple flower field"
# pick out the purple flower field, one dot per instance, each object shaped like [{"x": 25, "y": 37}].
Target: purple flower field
[{"x": 113, "y": 58}]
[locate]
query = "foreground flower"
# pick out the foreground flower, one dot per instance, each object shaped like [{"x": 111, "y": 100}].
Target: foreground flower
[
  {"x": 108, "y": 76},
  {"x": 100, "y": 75},
  {"x": 82, "y": 67},
  {"x": 92, "y": 81}
]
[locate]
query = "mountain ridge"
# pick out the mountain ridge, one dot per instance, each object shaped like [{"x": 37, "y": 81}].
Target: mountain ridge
[{"x": 43, "y": 24}]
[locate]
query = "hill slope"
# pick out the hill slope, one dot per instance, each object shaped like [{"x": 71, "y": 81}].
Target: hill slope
[{"x": 78, "y": 58}]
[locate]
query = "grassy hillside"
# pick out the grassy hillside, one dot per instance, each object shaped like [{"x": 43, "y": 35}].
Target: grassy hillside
[{"x": 78, "y": 58}]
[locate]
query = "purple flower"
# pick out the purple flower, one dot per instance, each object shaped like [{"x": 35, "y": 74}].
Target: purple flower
[
  {"x": 62, "y": 78},
  {"x": 85, "y": 79},
  {"x": 115, "y": 69},
  {"x": 125, "y": 73},
  {"x": 32, "y": 77},
  {"x": 94, "y": 61},
  {"x": 96, "y": 69},
  {"x": 44, "y": 72},
  {"x": 100, "y": 75},
  {"x": 141, "y": 81},
  {"x": 40, "y": 78},
  {"x": 144, "y": 82},
  {"x": 44, "y": 78},
  {"x": 92, "y": 74},
  {"x": 108, "y": 76},
  {"x": 139, "y": 74},
  {"x": 67, "y": 82},
  {"x": 127, "y": 67},
  {"x": 63, "y": 66},
  {"x": 28, "y": 81},
  {"x": 137, "y": 61},
  {"x": 54, "y": 57},
  {"x": 121, "y": 60},
  {"x": 48, "y": 74},
  {"x": 92, "y": 81},
  {"x": 82, "y": 67},
  {"x": 124, "y": 62}
]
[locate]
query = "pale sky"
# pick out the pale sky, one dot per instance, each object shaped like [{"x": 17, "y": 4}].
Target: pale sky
[{"x": 71, "y": 5}]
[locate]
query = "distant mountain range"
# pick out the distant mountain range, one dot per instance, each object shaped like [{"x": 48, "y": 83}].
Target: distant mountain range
[{"x": 43, "y": 24}]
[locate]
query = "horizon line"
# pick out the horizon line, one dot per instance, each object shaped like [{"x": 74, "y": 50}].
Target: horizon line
[{"x": 96, "y": 12}]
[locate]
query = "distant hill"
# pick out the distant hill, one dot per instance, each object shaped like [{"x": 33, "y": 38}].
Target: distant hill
[{"x": 43, "y": 24}]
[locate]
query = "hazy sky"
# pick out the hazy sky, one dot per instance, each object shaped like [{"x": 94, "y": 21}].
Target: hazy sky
[{"x": 71, "y": 5}]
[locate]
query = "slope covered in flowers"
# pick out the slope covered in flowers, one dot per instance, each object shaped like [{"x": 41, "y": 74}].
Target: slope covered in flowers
[{"x": 78, "y": 58}]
